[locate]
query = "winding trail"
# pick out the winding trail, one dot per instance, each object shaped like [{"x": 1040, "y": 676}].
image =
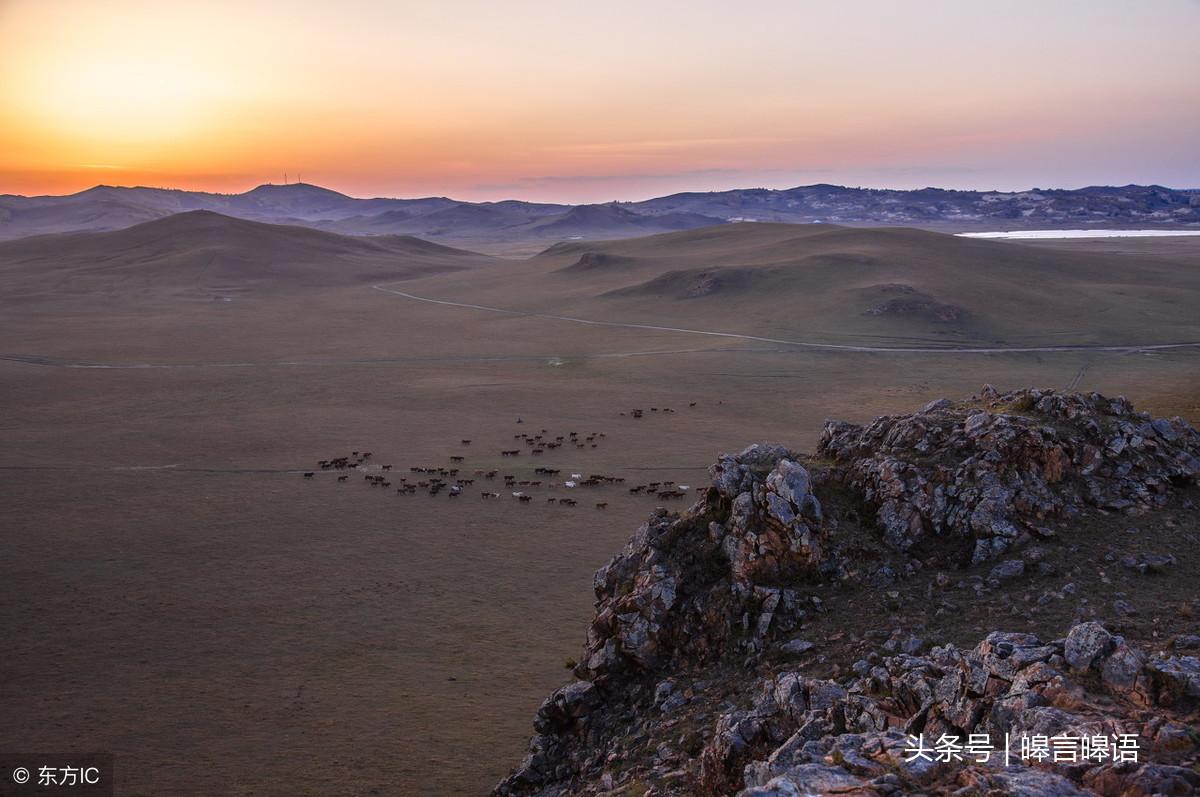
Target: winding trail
[
  {"x": 1075, "y": 380},
  {"x": 807, "y": 344},
  {"x": 552, "y": 359}
]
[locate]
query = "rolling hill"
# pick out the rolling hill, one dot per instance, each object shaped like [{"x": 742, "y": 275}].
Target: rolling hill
[
  {"x": 604, "y": 221},
  {"x": 856, "y": 285},
  {"x": 816, "y": 282},
  {"x": 205, "y": 255}
]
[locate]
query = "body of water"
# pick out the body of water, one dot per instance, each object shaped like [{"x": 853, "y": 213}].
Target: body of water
[{"x": 1078, "y": 234}]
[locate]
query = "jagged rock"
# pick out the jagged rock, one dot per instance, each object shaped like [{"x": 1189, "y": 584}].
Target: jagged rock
[
  {"x": 1175, "y": 679},
  {"x": 807, "y": 779},
  {"x": 872, "y": 754},
  {"x": 775, "y": 528},
  {"x": 1005, "y": 685},
  {"x": 984, "y": 474},
  {"x": 1169, "y": 736},
  {"x": 566, "y": 707},
  {"x": 1142, "y": 780},
  {"x": 732, "y": 475},
  {"x": 1122, "y": 668},
  {"x": 1019, "y": 782},
  {"x": 1085, "y": 644},
  {"x": 701, "y": 583}
]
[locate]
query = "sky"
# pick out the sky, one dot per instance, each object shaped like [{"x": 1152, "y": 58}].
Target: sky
[{"x": 586, "y": 101}]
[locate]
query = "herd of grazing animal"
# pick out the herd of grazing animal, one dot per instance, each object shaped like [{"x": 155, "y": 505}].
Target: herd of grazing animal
[
  {"x": 436, "y": 480},
  {"x": 664, "y": 489},
  {"x": 637, "y": 412}
]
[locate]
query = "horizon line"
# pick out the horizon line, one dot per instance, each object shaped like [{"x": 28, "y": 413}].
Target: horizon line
[{"x": 610, "y": 202}]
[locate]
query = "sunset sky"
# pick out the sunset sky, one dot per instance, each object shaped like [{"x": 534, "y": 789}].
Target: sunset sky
[{"x": 586, "y": 101}]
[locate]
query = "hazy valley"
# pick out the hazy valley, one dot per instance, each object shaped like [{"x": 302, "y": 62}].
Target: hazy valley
[{"x": 522, "y": 228}]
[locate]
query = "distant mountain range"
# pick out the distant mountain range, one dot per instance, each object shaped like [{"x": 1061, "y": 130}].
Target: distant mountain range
[{"x": 488, "y": 224}]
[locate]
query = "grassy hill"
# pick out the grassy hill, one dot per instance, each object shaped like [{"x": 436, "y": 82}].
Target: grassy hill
[
  {"x": 202, "y": 254},
  {"x": 841, "y": 284}
]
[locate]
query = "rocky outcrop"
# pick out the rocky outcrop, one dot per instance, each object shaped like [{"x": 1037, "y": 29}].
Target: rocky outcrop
[
  {"x": 694, "y": 670},
  {"x": 717, "y": 576},
  {"x": 985, "y": 471},
  {"x": 1012, "y": 693},
  {"x": 920, "y": 307}
]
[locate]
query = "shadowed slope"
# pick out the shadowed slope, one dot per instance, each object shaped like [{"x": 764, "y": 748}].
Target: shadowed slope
[
  {"x": 840, "y": 284},
  {"x": 204, "y": 254},
  {"x": 605, "y": 220}
]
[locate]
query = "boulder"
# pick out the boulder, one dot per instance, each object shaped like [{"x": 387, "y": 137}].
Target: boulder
[
  {"x": 567, "y": 707},
  {"x": 1007, "y": 570},
  {"x": 1148, "y": 562},
  {"x": 1175, "y": 680},
  {"x": 1086, "y": 643},
  {"x": 796, "y": 647},
  {"x": 1122, "y": 669}
]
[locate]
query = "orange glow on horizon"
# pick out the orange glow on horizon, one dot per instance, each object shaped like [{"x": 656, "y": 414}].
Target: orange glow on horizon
[{"x": 567, "y": 102}]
